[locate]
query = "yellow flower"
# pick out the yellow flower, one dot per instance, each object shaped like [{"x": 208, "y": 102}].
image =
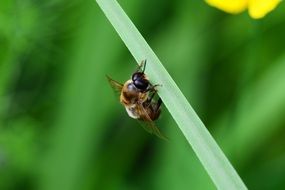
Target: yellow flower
[{"x": 256, "y": 8}]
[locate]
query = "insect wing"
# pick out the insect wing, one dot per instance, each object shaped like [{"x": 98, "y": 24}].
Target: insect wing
[
  {"x": 115, "y": 85},
  {"x": 147, "y": 123}
]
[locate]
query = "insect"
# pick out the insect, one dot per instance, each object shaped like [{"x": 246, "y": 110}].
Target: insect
[{"x": 137, "y": 96}]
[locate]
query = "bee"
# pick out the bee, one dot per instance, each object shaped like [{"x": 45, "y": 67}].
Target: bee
[{"x": 137, "y": 96}]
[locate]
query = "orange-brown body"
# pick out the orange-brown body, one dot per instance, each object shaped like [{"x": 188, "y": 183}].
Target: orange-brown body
[
  {"x": 134, "y": 101},
  {"x": 131, "y": 95},
  {"x": 137, "y": 96}
]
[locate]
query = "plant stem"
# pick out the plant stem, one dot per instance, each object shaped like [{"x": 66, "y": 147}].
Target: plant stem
[{"x": 213, "y": 159}]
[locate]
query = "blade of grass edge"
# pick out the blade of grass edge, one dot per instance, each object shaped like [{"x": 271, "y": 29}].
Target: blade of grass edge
[{"x": 213, "y": 159}]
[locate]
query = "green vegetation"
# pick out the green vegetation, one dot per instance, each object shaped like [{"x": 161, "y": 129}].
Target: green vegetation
[
  {"x": 212, "y": 158},
  {"x": 62, "y": 128}
]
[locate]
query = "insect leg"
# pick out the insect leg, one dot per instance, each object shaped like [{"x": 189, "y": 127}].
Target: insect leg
[
  {"x": 152, "y": 90},
  {"x": 158, "y": 104},
  {"x": 149, "y": 99},
  {"x": 155, "y": 109}
]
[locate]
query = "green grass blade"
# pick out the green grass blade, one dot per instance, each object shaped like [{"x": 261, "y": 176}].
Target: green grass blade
[{"x": 214, "y": 161}]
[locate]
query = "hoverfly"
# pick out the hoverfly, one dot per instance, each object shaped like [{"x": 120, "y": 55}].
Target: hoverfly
[{"x": 137, "y": 96}]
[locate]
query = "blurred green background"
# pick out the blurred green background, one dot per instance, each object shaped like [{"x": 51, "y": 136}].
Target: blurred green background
[{"x": 61, "y": 127}]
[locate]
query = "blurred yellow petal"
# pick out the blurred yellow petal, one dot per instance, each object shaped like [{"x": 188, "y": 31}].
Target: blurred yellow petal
[
  {"x": 230, "y": 6},
  {"x": 259, "y": 8}
]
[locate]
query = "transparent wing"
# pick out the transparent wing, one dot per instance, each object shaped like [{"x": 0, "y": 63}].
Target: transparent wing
[
  {"x": 147, "y": 123},
  {"x": 115, "y": 85}
]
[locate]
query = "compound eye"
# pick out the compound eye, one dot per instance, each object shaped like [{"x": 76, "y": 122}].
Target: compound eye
[
  {"x": 137, "y": 76},
  {"x": 141, "y": 84}
]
